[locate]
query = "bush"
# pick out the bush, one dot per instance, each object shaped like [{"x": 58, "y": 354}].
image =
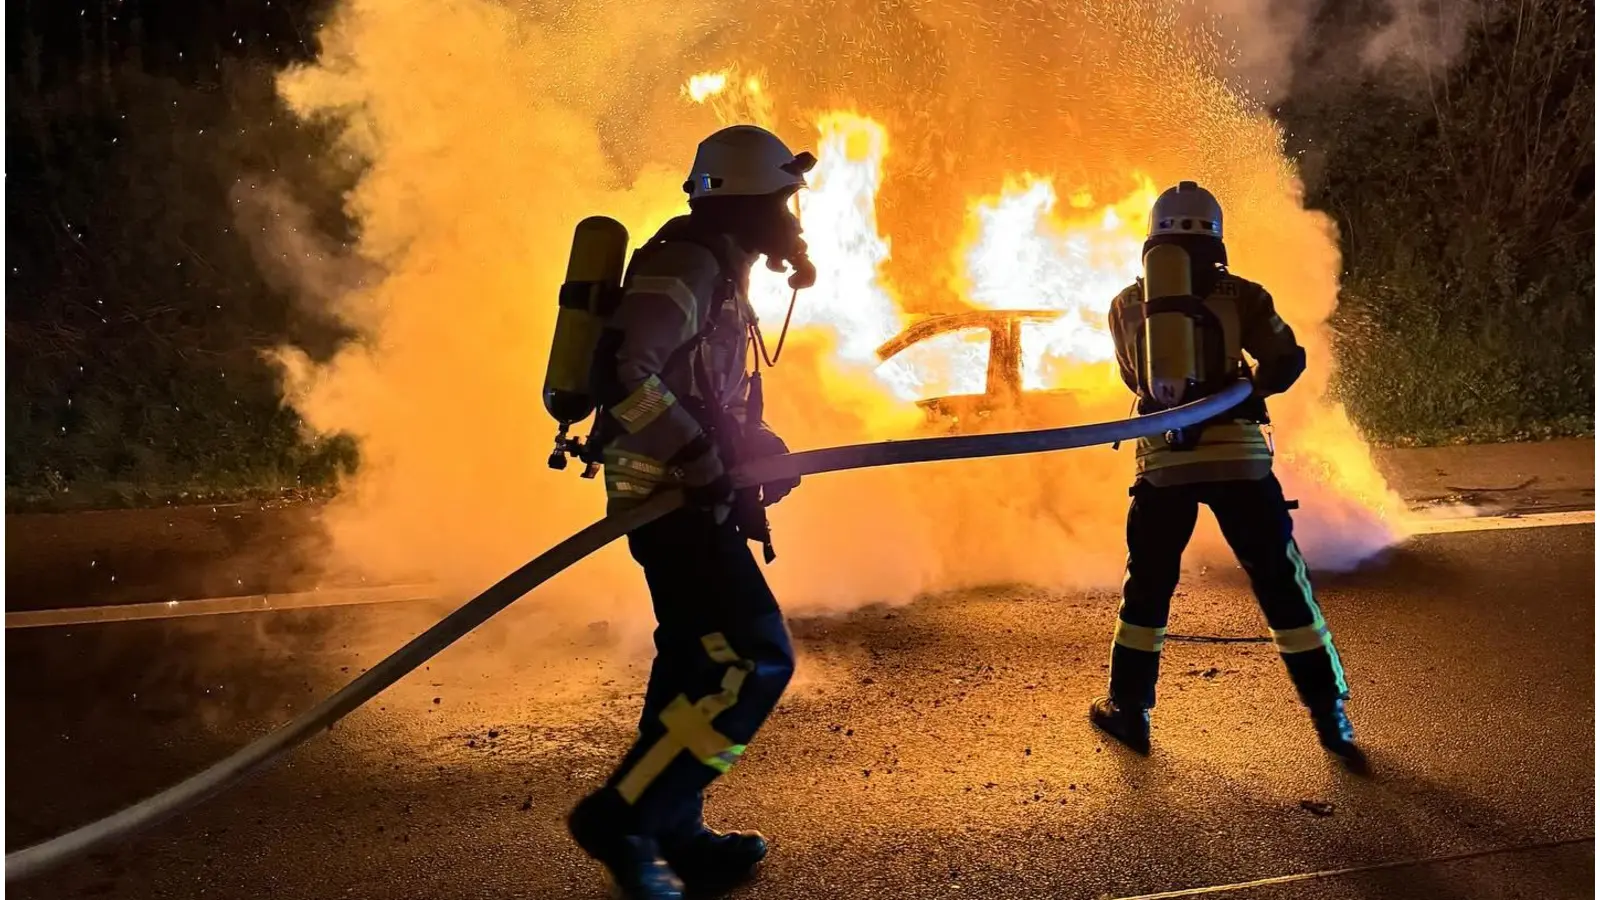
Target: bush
[
  {"x": 1465, "y": 205},
  {"x": 136, "y": 314}
]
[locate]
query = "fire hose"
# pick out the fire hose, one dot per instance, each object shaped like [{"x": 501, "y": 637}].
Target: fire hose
[{"x": 270, "y": 747}]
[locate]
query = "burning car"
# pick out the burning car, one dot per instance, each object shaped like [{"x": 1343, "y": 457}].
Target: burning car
[{"x": 1004, "y": 394}]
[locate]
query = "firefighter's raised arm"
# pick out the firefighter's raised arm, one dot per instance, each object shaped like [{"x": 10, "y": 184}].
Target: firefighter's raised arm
[
  {"x": 1270, "y": 341},
  {"x": 1121, "y": 308}
]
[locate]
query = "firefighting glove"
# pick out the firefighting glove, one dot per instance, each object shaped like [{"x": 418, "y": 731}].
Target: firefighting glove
[
  {"x": 763, "y": 443},
  {"x": 706, "y": 482}
]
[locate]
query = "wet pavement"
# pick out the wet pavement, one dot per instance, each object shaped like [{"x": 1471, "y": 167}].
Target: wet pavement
[{"x": 937, "y": 749}]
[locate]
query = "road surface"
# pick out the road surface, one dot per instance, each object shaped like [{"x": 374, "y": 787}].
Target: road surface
[{"x": 931, "y": 750}]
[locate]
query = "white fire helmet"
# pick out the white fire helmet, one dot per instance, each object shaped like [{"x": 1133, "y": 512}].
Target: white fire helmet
[
  {"x": 1186, "y": 209},
  {"x": 745, "y": 161}
]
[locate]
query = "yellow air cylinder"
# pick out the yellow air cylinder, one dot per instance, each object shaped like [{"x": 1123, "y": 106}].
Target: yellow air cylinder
[
  {"x": 594, "y": 280},
  {"x": 1171, "y": 351}
]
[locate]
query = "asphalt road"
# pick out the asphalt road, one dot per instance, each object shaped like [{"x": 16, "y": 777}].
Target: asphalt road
[{"x": 931, "y": 750}]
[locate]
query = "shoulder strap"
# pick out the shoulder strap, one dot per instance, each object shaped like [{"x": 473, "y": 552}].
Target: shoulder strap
[{"x": 684, "y": 229}]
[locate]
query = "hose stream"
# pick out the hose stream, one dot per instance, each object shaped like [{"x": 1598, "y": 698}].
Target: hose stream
[{"x": 268, "y": 748}]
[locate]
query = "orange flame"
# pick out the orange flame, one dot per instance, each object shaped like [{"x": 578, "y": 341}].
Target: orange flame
[{"x": 1023, "y": 252}]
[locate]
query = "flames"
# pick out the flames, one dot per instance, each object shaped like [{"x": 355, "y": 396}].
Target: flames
[
  {"x": 839, "y": 212},
  {"x": 1022, "y": 253},
  {"x": 1024, "y": 250},
  {"x": 1026, "y": 255}
]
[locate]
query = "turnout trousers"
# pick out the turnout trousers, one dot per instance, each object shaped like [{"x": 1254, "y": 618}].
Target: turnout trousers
[
  {"x": 723, "y": 658},
  {"x": 1255, "y": 521}
]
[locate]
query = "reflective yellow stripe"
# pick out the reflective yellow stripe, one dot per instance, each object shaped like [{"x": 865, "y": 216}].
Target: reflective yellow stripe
[
  {"x": 648, "y": 768},
  {"x": 644, "y": 405},
  {"x": 1138, "y": 637},
  {"x": 623, "y": 488},
  {"x": 631, "y": 474},
  {"x": 1238, "y": 449},
  {"x": 1237, "y": 430},
  {"x": 634, "y": 465},
  {"x": 1222, "y": 434},
  {"x": 718, "y": 649},
  {"x": 732, "y": 681},
  {"x": 1223, "y": 442},
  {"x": 1168, "y": 459},
  {"x": 1300, "y": 640},
  {"x": 670, "y": 287},
  {"x": 692, "y": 728},
  {"x": 724, "y": 761},
  {"x": 689, "y": 726},
  {"x": 1307, "y": 637},
  {"x": 1302, "y": 580}
]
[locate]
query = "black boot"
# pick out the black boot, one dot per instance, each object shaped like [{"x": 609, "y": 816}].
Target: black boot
[
  {"x": 1128, "y": 725},
  {"x": 1337, "y": 736},
  {"x": 711, "y": 862},
  {"x": 634, "y": 862}
]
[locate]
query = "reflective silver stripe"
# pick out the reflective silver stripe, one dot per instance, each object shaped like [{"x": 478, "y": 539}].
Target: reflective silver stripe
[
  {"x": 1302, "y": 640},
  {"x": 636, "y": 466},
  {"x": 1139, "y": 637},
  {"x": 631, "y": 475},
  {"x": 644, "y": 405},
  {"x": 622, "y": 487},
  {"x": 671, "y": 287},
  {"x": 718, "y": 648},
  {"x": 1223, "y": 442}
]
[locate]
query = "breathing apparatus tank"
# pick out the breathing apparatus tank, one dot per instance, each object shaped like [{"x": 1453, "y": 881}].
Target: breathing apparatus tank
[
  {"x": 1172, "y": 358},
  {"x": 588, "y": 296}
]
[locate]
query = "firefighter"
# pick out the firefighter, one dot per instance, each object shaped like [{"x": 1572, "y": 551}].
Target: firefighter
[
  {"x": 671, "y": 377},
  {"x": 1207, "y": 317}
]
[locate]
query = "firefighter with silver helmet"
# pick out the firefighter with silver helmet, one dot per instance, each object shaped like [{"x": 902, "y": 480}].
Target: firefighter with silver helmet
[
  {"x": 1181, "y": 333},
  {"x": 678, "y": 407}
]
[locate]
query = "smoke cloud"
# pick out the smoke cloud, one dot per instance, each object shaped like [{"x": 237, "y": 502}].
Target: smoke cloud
[
  {"x": 291, "y": 252},
  {"x": 1274, "y": 48},
  {"x": 489, "y": 130}
]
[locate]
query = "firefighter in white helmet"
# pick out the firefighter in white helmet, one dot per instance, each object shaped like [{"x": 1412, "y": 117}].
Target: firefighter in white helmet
[
  {"x": 1182, "y": 332},
  {"x": 680, "y": 408}
]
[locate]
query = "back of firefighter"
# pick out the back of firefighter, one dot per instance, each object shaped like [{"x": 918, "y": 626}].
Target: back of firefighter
[
  {"x": 1226, "y": 465},
  {"x": 670, "y": 372}
]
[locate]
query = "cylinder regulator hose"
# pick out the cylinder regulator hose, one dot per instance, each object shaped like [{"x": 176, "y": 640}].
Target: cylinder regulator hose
[{"x": 270, "y": 747}]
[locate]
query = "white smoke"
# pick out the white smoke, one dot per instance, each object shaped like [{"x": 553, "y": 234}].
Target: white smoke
[{"x": 1273, "y": 47}]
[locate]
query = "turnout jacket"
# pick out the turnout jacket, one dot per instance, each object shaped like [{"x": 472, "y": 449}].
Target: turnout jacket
[
  {"x": 1232, "y": 446},
  {"x": 675, "y": 352}
]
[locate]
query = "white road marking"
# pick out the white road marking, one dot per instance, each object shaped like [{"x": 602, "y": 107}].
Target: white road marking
[
  {"x": 1497, "y": 523},
  {"x": 1358, "y": 870},
  {"x": 211, "y": 606}
]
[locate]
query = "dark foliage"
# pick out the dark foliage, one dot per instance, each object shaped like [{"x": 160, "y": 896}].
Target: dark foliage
[
  {"x": 1465, "y": 204},
  {"x": 136, "y": 317}
]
